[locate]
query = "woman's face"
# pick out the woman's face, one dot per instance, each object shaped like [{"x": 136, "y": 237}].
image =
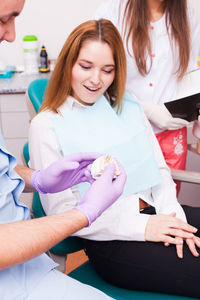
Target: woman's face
[{"x": 93, "y": 72}]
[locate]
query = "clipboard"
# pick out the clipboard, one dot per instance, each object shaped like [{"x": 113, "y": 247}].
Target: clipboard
[{"x": 187, "y": 108}]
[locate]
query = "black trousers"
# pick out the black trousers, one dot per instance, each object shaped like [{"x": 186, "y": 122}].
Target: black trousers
[{"x": 148, "y": 266}]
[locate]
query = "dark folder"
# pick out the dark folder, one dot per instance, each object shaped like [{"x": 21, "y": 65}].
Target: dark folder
[{"x": 187, "y": 108}]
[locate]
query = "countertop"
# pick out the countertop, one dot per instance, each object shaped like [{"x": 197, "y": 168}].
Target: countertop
[{"x": 19, "y": 82}]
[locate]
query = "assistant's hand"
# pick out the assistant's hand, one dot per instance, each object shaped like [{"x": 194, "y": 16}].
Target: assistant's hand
[
  {"x": 161, "y": 117},
  {"x": 102, "y": 193},
  {"x": 64, "y": 173},
  {"x": 168, "y": 229}
]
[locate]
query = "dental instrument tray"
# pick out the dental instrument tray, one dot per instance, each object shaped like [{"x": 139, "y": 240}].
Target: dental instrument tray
[{"x": 184, "y": 108}]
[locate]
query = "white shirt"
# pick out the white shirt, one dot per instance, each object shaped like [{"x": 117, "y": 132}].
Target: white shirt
[
  {"x": 161, "y": 83},
  {"x": 122, "y": 220}
]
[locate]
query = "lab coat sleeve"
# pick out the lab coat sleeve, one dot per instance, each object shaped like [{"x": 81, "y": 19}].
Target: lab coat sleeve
[
  {"x": 164, "y": 194},
  {"x": 118, "y": 222},
  {"x": 44, "y": 150}
]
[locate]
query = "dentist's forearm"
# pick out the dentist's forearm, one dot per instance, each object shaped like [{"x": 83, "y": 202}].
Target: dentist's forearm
[{"x": 24, "y": 240}]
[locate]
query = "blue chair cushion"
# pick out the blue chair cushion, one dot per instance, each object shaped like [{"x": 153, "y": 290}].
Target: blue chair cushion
[
  {"x": 36, "y": 92},
  {"x": 26, "y": 153}
]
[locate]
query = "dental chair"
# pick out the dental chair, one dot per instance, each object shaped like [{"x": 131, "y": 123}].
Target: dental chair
[{"x": 86, "y": 272}]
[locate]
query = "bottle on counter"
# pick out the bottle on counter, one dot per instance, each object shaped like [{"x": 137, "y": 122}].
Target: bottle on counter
[
  {"x": 30, "y": 46},
  {"x": 44, "y": 66}
]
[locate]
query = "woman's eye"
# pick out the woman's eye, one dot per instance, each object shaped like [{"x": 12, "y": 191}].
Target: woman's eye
[
  {"x": 84, "y": 67},
  {"x": 108, "y": 71},
  {"x": 2, "y": 22}
]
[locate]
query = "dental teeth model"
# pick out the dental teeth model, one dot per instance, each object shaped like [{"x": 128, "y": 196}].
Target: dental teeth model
[{"x": 100, "y": 163}]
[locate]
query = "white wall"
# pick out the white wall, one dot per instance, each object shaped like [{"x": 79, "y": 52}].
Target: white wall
[{"x": 51, "y": 22}]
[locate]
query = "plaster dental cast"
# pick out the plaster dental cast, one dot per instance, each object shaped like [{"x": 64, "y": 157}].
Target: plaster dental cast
[
  {"x": 85, "y": 108},
  {"x": 161, "y": 40}
]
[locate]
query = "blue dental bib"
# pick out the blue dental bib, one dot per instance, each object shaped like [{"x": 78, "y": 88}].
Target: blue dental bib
[{"x": 98, "y": 128}]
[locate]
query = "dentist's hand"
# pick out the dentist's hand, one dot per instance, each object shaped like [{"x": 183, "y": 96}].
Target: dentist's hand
[
  {"x": 64, "y": 173},
  {"x": 102, "y": 193},
  {"x": 161, "y": 117}
]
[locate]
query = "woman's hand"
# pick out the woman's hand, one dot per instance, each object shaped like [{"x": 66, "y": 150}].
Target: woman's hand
[
  {"x": 192, "y": 243},
  {"x": 168, "y": 229}
]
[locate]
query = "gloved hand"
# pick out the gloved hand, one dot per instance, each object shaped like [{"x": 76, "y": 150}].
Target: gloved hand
[
  {"x": 64, "y": 173},
  {"x": 102, "y": 193},
  {"x": 161, "y": 117}
]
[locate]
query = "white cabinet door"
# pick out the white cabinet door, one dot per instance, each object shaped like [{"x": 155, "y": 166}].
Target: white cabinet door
[{"x": 15, "y": 122}]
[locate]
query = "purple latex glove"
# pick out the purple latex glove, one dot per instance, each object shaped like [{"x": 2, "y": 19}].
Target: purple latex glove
[
  {"x": 64, "y": 173},
  {"x": 102, "y": 193}
]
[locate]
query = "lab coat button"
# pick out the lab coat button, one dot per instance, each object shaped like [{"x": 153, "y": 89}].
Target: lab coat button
[
  {"x": 152, "y": 27},
  {"x": 150, "y": 84},
  {"x": 153, "y": 55}
]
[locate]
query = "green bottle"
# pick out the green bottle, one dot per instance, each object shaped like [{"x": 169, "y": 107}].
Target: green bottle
[{"x": 30, "y": 46}]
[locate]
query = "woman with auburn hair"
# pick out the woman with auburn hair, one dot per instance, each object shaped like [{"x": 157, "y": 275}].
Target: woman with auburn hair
[
  {"x": 161, "y": 39},
  {"x": 85, "y": 109},
  {"x": 61, "y": 77}
]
